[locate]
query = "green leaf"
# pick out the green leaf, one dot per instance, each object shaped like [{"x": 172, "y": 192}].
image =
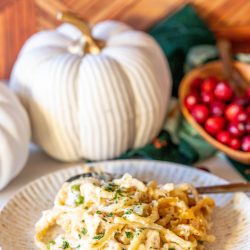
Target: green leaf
[
  {"x": 84, "y": 231},
  {"x": 129, "y": 235},
  {"x": 75, "y": 188},
  {"x": 98, "y": 236},
  {"x": 79, "y": 200},
  {"x": 65, "y": 244}
]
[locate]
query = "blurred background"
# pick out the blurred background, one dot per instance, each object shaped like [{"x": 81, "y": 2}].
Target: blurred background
[{"x": 19, "y": 19}]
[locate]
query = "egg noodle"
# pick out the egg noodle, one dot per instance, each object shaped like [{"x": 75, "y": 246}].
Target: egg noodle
[{"x": 125, "y": 214}]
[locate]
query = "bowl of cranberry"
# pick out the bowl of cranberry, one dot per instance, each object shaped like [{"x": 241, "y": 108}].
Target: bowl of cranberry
[{"x": 211, "y": 106}]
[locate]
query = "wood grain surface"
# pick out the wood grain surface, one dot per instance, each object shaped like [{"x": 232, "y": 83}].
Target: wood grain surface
[{"x": 21, "y": 18}]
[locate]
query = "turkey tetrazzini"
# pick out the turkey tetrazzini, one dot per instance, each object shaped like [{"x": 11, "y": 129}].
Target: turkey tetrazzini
[{"x": 125, "y": 214}]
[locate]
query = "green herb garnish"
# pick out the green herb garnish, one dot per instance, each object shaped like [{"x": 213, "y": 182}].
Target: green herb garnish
[
  {"x": 129, "y": 235},
  {"x": 79, "y": 200},
  {"x": 128, "y": 211},
  {"x": 98, "y": 212},
  {"x": 75, "y": 188},
  {"x": 118, "y": 194},
  {"x": 65, "y": 244},
  {"x": 98, "y": 236},
  {"x": 51, "y": 242},
  {"x": 110, "y": 187},
  {"x": 84, "y": 231}
]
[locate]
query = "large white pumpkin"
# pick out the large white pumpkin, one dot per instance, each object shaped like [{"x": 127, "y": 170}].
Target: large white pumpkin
[
  {"x": 14, "y": 135},
  {"x": 93, "y": 105}
]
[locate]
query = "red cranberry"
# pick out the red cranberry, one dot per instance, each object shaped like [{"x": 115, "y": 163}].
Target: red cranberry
[
  {"x": 241, "y": 100},
  {"x": 245, "y": 146},
  {"x": 223, "y": 91},
  {"x": 214, "y": 124},
  {"x": 247, "y": 126},
  {"x": 207, "y": 97},
  {"x": 217, "y": 108},
  {"x": 191, "y": 100},
  {"x": 200, "y": 113},
  {"x": 236, "y": 129},
  {"x": 248, "y": 92},
  {"x": 232, "y": 111},
  {"x": 223, "y": 137},
  {"x": 248, "y": 110},
  {"x": 235, "y": 143},
  {"x": 195, "y": 85},
  {"x": 241, "y": 116},
  {"x": 209, "y": 84}
]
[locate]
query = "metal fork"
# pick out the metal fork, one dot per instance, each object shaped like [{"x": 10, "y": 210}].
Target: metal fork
[{"x": 215, "y": 189}]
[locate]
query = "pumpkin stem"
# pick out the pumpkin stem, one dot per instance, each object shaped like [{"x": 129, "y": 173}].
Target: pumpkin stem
[{"x": 92, "y": 45}]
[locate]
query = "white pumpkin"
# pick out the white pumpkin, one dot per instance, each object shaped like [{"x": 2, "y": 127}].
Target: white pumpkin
[
  {"x": 14, "y": 136},
  {"x": 93, "y": 105}
]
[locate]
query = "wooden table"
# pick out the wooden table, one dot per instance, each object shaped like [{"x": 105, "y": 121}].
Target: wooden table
[{"x": 19, "y": 19}]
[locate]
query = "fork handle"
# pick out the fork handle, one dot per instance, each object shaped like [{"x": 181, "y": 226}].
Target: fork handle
[{"x": 227, "y": 188}]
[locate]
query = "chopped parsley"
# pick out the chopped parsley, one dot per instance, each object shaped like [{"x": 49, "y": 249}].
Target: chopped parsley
[
  {"x": 129, "y": 235},
  {"x": 98, "y": 236},
  {"x": 79, "y": 200},
  {"x": 118, "y": 194},
  {"x": 75, "y": 188},
  {"x": 84, "y": 231},
  {"x": 128, "y": 211},
  {"x": 51, "y": 242},
  {"x": 65, "y": 244},
  {"x": 110, "y": 187},
  {"x": 98, "y": 212},
  {"x": 110, "y": 214}
]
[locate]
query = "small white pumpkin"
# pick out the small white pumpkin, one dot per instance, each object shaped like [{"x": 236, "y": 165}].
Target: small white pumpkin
[
  {"x": 87, "y": 102},
  {"x": 14, "y": 135}
]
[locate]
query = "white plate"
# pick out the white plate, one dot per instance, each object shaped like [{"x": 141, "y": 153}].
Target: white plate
[{"x": 231, "y": 217}]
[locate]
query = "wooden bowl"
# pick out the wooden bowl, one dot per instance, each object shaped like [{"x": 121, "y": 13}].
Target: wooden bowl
[{"x": 214, "y": 68}]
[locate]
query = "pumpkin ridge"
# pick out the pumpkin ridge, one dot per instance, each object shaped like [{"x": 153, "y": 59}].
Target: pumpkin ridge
[{"x": 130, "y": 93}]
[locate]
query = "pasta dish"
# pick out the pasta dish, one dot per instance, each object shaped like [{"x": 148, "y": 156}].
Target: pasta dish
[{"x": 125, "y": 214}]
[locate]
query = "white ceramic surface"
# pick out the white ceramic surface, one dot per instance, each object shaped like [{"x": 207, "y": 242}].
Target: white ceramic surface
[{"x": 231, "y": 217}]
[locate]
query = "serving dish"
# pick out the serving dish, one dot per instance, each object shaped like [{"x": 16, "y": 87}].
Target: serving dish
[
  {"x": 231, "y": 217},
  {"x": 215, "y": 69}
]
